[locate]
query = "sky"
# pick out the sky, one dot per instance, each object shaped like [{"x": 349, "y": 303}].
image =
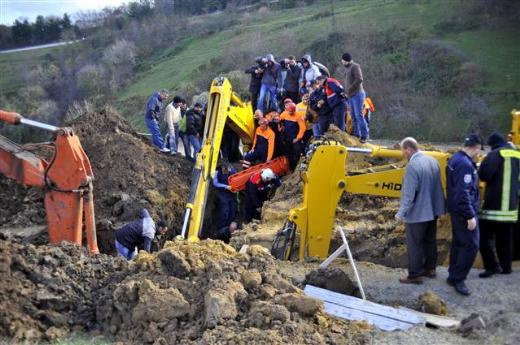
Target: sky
[{"x": 14, "y": 9}]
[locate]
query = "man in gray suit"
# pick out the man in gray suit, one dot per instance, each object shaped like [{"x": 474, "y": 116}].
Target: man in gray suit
[{"x": 422, "y": 201}]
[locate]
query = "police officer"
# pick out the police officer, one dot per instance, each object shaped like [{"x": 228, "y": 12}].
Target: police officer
[
  {"x": 463, "y": 206},
  {"x": 499, "y": 170}
]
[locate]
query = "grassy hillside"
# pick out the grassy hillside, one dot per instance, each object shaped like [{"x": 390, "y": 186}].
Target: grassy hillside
[
  {"x": 436, "y": 69},
  {"x": 14, "y": 66}
]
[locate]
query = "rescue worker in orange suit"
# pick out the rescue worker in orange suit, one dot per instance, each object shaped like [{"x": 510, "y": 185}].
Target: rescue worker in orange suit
[
  {"x": 257, "y": 189},
  {"x": 293, "y": 131},
  {"x": 336, "y": 100},
  {"x": 227, "y": 201},
  {"x": 263, "y": 144},
  {"x": 276, "y": 126},
  {"x": 301, "y": 110}
]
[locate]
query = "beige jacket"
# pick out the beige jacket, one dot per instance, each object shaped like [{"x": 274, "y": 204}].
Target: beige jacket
[{"x": 172, "y": 116}]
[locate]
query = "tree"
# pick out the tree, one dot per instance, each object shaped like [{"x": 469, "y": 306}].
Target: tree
[
  {"x": 65, "y": 22},
  {"x": 38, "y": 30},
  {"x": 140, "y": 9},
  {"x": 21, "y": 32}
]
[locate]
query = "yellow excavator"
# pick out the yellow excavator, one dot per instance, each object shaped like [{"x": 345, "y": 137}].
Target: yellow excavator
[
  {"x": 325, "y": 181},
  {"x": 224, "y": 108}
]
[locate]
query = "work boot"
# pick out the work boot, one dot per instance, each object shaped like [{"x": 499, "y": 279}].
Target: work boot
[
  {"x": 430, "y": 274},
  {"x": 489, "y": 273},
  {"x": 411, "y": 280},
  {"x": 462, "y": 289}
]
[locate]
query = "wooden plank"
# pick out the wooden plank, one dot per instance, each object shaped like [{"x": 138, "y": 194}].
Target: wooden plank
[
  {"x": 365, "y": 306},
  {"x": 436, "y": 320},
  {"x": 381, "y": 322}
]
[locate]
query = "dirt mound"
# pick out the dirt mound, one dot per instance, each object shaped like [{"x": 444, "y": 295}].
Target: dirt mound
[
  {"x": 204, "y": 293},
  {"x": 207, "y": 293},
  {"x": 129, "y": 175},
  {"x": 47, "y": 291},
  {"x": 21, "y": 206}
]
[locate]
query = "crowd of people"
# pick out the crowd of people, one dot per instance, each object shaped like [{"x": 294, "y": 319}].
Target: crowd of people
[
  {"x": 295, "y": 101},
  {"x": 182, "y": 123},
  {"x": 474, "y": 228}
]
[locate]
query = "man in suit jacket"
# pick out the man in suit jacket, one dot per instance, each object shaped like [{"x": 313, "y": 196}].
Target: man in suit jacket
[{"x": 422, "y": 201}]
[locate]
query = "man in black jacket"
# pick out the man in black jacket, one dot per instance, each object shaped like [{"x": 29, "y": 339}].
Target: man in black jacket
[
  {"x": 463, "y": 205},
  {"x": 318, "y": 103},
  {"x": 256, "y": 71},
  {"x": 291, "y": 82},
  {"x": 193, "y": 127},
  {"x": 499, "y": 170}
]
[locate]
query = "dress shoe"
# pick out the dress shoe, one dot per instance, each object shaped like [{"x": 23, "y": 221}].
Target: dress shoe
[
  {"x": 462, "y": 289},
  {"x": 489, "y": 273},
  {"x": 430, "y": 274},
  {"x": 411, "y": 280}
]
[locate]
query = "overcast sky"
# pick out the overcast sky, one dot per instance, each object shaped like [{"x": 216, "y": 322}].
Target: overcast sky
[{"x": 14, "y": 9}]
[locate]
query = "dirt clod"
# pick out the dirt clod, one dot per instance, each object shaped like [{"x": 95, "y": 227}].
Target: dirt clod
[{"x": 429, "y": 302}]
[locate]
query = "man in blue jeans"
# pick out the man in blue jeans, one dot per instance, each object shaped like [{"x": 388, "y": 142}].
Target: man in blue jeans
[
  {"x": 153, "y": 111},
  {"x": 356, "y": 96},
  {"x": 193, "y": 129},
  {"x": 138, "y": 234},
  {"x": 270, "y": 82}
]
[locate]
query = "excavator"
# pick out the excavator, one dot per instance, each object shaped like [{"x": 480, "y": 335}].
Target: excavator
[
  {"x": 225, "y": 108},
  {"x": 325, "y": 181},
  {"x": 67, "y": 179}
]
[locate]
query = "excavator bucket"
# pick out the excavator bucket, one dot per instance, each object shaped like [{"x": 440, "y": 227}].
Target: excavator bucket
[{"x": 280, "y": 166}]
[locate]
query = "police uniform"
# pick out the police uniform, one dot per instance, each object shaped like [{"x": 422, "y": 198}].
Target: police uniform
[
  {"x": 463, "y": 204},
  {"x": 500, "y": 171}
]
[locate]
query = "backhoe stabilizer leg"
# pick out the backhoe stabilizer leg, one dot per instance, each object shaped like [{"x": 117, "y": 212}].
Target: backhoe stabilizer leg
[{"x": 90, "y": 223}]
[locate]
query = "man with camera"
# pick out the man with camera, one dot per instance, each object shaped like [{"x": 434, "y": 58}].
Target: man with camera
[
  {"x": 256, "y": 71},
  {"x": 270, "y": 82}
]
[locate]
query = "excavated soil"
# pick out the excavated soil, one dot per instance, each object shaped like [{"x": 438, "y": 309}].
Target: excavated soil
[
  {"x": 372, "y": 231},
  {"x": 129, "y": 175},
  {"x": 187, "y": 293}
]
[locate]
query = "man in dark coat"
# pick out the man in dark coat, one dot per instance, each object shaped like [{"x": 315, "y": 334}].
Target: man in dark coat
[
  {"x": 256, "y": 72},
  {"x": 463, "y": 205},
  {"x": 499, "y": 170}
]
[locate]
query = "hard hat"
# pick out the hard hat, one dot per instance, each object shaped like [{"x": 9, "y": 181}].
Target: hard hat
[{"x": 268, "y": 175}]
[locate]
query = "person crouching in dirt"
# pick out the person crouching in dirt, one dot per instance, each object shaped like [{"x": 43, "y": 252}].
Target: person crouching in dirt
[
  {"x": 138, "y": 234},
  {"x": 257, "y": 189},
  {"x": 422, "y": 201}
]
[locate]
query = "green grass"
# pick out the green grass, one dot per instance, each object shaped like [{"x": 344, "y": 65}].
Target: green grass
[{"x": 14, "y": 66}]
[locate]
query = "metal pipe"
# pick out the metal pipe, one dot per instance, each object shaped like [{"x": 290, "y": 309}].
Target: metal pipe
[
  {"x": 185, "y": 222},
  {"x": 352, "y": 262},
  {"x": 39, "y": 125},
  {"x": 358, "y": 150}
]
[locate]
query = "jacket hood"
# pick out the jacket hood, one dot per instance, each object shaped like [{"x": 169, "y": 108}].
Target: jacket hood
[
  {"x": 496, "y": 140},
  {"x": 307, "y": 57},
  {"x": 270, "y": 57}
]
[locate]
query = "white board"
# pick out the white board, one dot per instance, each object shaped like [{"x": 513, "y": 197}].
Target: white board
[{"x": 352, "y": 308}]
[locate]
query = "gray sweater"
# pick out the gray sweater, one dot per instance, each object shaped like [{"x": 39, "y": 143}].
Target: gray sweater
[{"x": 422, "y": 197}]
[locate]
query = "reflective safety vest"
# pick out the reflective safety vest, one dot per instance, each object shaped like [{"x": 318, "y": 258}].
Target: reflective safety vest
[{"x": 501, "y": 195}]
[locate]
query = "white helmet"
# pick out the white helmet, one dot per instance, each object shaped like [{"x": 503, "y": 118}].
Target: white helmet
[{"x": 268, "y": 175}]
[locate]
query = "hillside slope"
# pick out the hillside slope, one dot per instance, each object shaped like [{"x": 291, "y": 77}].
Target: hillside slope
[{"x": 384, "y": 36}]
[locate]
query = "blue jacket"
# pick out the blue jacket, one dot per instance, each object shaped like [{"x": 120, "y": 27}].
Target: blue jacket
[
  {"x": 221, "y": 183},
  {"x": 138, "y": 233},
  {"x": 154, "y": 107},
  {"x": 462, "y": 186}
]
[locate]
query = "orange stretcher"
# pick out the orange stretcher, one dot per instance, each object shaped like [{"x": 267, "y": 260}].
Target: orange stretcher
[{"x": 280, "y": 166}]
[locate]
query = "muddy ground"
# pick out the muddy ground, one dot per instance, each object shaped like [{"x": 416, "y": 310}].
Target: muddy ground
[
  {"x": 495, "y": 300},
  {"x": 187, "y": 293}
]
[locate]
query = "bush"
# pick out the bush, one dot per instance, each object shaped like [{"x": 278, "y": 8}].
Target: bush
[{"x": 91, "y": 81}]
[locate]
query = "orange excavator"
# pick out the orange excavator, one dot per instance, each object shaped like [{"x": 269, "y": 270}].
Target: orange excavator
[{"x": 67, "y": 179}]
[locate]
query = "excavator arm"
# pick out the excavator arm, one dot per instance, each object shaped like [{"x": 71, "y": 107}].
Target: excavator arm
[
  {"x": 224, "y": 107},
  {"x": 67, "y": 179},
  {"x": 325, "y": 182}
]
